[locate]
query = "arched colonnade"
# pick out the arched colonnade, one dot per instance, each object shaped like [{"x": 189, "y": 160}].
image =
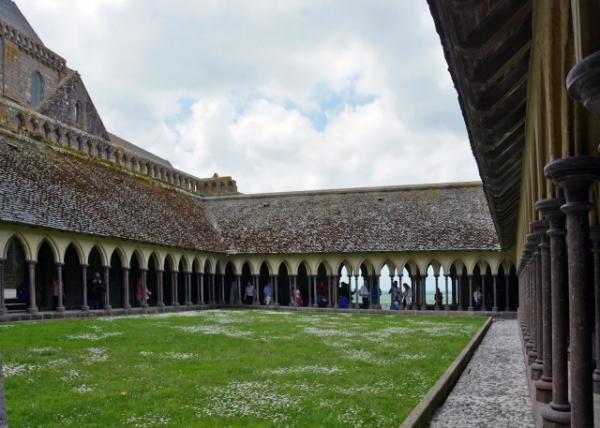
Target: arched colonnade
[{"x": 33, "y": 263}]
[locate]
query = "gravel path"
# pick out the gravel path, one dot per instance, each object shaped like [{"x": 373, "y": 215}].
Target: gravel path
[{"x": 492, "y": 391}]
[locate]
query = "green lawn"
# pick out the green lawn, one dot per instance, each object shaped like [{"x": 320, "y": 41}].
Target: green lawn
[{"x": 227, "y": 369}]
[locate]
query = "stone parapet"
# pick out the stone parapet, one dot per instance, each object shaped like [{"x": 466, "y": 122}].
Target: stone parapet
[{"x": 33, "y": 48}]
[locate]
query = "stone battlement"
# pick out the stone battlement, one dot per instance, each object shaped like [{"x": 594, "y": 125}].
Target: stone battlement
[
  {"x": 33, "y": 48},
  {"x": 43, "y": 128}
]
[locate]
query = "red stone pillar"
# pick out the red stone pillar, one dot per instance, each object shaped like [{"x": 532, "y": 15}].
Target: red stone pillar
[{"x": 575, "y": 176}]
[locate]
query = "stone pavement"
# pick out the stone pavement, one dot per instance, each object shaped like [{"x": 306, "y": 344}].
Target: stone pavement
[{"x": 492, "y": 391}]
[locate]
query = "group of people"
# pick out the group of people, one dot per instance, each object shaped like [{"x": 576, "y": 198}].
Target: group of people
[{"x": 401, "y": 299}]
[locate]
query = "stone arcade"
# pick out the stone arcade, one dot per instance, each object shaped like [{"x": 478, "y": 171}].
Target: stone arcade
[{"x": 75, "y": 200}]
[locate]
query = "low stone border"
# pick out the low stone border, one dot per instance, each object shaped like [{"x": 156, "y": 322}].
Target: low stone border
[
  {"x": 422, "y": 414},
  {"x": 12, "y": 317}
]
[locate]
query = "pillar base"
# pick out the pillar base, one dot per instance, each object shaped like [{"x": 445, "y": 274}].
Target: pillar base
[
  {"x": 460, "y": 308},
  {"x": 33, "y": 310},
  {"x": 160, "y": 305},
  {"x": 494, "y": 308},
  {"x": 543, "y": 390},
  {"x": 537, "y": 367},
  {"x": 127, "y": 307},
  {"x": 596, "y": 378},
  {"x": 471, "y": 308},
  {"x": 558, "y": 416},
  {"x": 531, "y": 356},
  {"x": 60, "y": 309},
  {"x": 447, "y": 307}
]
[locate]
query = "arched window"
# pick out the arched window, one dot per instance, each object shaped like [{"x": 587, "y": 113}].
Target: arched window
[
  {"x": 78, "y": 113},
  {"x": 37, "y": 88}
]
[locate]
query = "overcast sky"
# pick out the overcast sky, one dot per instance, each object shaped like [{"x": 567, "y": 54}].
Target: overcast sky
[{"x": 282, "y": 95}]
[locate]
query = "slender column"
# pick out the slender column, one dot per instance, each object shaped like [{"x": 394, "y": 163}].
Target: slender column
[
  {"x": 202, "y": 301},
  {"x": 174, "y": 280},
  {"x": 575, "y": 176},
  {"x": 494, "y": 280},
  {"x": 314, "y": 288},
  {"x": 188, "y": 288},
  {"x": 84, "y": 303},
  {"x": 2, "y": 303},
  {"x": 198, "y": 276},
  {"x": 291, "y": 289},
  {"x": 32, "y": 305},
  {"x": 223, "y": 299},
  {"x": 471, "y": 308},
  {"x": 330, "y": 282},
  {"x": 107, "y": 305},
  {"x": 336, "y": 281},
  {"x": 437, "y": 277},
  {"x": 256, "y": 290},
  {"x": 356, "y": 304},
  {"x": 506, "y": 286},
  {"x": 295, "y": 287},
  {"x": 276, "y": 289},
  {"x": 60, "y": 307},
  {"x": 482, "y": 278},
  {"x": 538, "y": 366},
  {"x": 447, "y": 306},
  {"x": 595, "y": 234},
  {"x": 160, "y": 301},
  {"x": 459, "y": 299},
  {"x": 544, "y": 384},
  {"x": 126, "y": 303},
  {"x": 558, "y": 411},
  {"x": 144, "y": 273},
  {"x": 211, "y": 288}
]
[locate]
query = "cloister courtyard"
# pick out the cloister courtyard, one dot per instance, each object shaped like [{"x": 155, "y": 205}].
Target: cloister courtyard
[{"x": 219, "y": 368}]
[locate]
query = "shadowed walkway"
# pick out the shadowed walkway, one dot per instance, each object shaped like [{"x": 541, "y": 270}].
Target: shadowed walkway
[{"x": 492, "y": 391}]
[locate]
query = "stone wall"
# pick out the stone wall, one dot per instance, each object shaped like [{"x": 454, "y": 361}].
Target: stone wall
[{"x": 18, "y": 68}]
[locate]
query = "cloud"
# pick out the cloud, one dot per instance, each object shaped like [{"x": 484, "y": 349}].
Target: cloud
[{"x": 281, "y": 95}]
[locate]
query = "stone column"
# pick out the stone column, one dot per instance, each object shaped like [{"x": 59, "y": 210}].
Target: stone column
[
  {"x": 471, "y": 308},
  {"x": 160, "y": 301},
  {"x": 575, "y": 176},
  {"x": 437, "y": 277},
  {"x": 334, "y": 285},
  {"x": 538, "y": 366},
  {"x": 558, "y": 412},
  {"x": 275, "y": 282},
  {"x": 506, "y": 285},
  {"x": 126, "y": 301},
  {"x": 330, "y": 282},
  {"x": 174, "y": 280},
  {"x": 84, "y": 304},
  {"x": 459, "y": 299},
  {"x": 144, "y": 273},
  {"x": 202, "y": 302},
  {"x": 314, "y": 289},
  {"x": 107, "y": 305},
  {"x": 482, "y": 277},
  {"x": 595, "y": 235},
  {"x": 223, "y": 299},
  {"x": 544, "y": 384},
  {"x": 494, "y": 280},
  {"x": 256, "y": 290},
  {"x": 32, "y": 309},
  {"x": 238, "y": 279},
  {"x": 188, "y": 288},
  {"x": 446, "y": 306},
  {"x": 60, "y": 307},
  {"x": 357, "y": 303},
  {"x": 294, "y": 280}
]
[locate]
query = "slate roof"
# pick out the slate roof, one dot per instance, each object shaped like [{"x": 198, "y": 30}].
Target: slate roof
[
  {"x": 405, "y": 218},
  {"x": 42, "y": 187},
  {"x": 10, "y": 13}
]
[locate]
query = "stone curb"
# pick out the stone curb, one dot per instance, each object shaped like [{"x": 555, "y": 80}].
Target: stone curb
[{"x": 433, "y": 400}]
